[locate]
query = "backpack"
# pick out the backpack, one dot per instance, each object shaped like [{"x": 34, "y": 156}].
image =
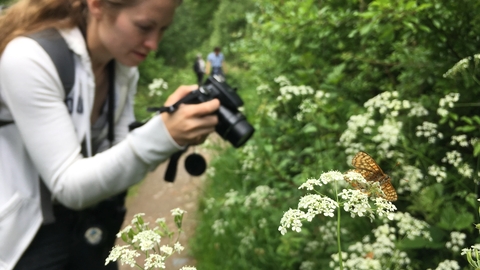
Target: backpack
[
  {"x": 56, "y": 47},
  {"x": 196, "y": 67},
  {"x": 108, "y": 215}
]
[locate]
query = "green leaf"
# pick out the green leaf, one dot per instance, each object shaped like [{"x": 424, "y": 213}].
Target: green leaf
[
  {"x": 467, "y": 120},
  {"x": 417, "y": 243},
  {"x": 365, "y": 29},
  {"x": 466, "y": 128},
  {"x": 471, "y": 199},
  {"x": 455, "y": 218},
  {"x": 268, "y": 148},
  {"x": 309, "y": 128},
  {"x": 298, "y": 42},
  {"x": 476, "y": 149},
  {"x": 476, "y": 118}
]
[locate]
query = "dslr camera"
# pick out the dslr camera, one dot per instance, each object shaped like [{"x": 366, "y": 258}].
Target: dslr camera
[{"x": 232, "y": 124}]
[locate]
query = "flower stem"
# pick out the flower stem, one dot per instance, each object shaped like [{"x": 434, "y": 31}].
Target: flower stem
[{"x": 340, "y": 260}]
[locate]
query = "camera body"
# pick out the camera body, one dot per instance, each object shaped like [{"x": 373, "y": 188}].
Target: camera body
[{"x": 232, "y": 124}]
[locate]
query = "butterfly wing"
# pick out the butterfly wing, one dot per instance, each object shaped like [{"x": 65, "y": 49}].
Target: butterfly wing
[
  {"x": 389, "y": 190},
  {"x": 366, "y": 166}
]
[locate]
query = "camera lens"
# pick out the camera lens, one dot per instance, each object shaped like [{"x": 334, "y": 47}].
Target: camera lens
[
  {"x": 239, "y": 133},
  {"x": 233, "y": 127}
]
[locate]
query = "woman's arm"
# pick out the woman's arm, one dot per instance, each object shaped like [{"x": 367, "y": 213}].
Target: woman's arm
[{"x": 34, "y": 94}]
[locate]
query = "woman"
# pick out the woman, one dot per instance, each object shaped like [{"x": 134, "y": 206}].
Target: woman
[{"x": 108, "y": 39}]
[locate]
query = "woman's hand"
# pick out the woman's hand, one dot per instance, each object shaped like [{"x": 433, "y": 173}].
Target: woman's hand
[{"x": 190, "y": 123}]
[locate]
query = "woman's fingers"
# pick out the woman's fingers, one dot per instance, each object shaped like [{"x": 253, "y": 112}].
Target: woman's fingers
[
  {"x": 180, "y": 93},
  {"x": 191, "y": 123},
  {"x": 201, "y": 109}
]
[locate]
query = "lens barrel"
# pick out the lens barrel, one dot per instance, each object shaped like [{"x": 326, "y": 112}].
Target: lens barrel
[{"x": 233, "y": 127}]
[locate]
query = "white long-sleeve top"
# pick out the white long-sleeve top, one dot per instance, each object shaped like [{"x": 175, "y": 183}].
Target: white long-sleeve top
[{"x": 45, "y": 140}]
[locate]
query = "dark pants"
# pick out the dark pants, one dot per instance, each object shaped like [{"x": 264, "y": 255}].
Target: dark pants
[
  {"x": 217, "y": 71},
  {"x": 62, "y": 245},
  {"x": 200, "y": 78}
]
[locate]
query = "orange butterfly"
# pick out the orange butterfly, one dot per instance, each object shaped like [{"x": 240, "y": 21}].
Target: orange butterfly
[{"x": 366, "y": 166}]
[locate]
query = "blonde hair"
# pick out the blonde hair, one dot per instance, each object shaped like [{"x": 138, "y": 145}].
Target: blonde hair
[{"x": 28, "y": 16}]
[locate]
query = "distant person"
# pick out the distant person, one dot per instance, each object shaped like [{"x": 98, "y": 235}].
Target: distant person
[
  {"x": 216, "y": 62},
  {"x": 199, "y": 68}
]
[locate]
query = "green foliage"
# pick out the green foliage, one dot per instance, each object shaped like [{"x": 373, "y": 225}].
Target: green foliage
[
  {"x": 310, "y": 72},
  {"x": 189, "y": 32},
  {"x": 351, "y": 51}
]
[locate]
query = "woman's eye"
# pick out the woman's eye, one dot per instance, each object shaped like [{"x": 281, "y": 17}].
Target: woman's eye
[{"x": 144, "y": 28}]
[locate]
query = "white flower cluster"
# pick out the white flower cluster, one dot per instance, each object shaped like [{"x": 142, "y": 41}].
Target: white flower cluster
[
  {"x": 219, "y": 226},
  {"x": 439, "y": 172},
  {"x": 317, "y": 205},
  {"x": 473, "y": 255},
  {"x": 385, "y": 208},
  {"x": 387, "y": 103},
  {"x": 453, "y": 157},
  {"x": 375, "y": 255},
  {"x": 447, "y": 102},
  {"x": 411, "y": 179},
  {"x": 461, "y": 66},
  {"x": 429, "y": 131},
  {"x": 260, "y": 197},
  {"x": 417, "y": 110},
  {"x": 141, "y": 239},
  {"x": 156, "y": 87},
  {"x": 460, "y": 139},
  {"x": 178, "y": 212},
  {"x": 448, "y": 265},
  {"x": 291, "y": 219},
  {"x": 354, "y": 201},
  {"x": 312, "y": 246},
  {"x": 307, "y": 265},
  {"x": 271, "y": 112},
  {"x": 263, "y": 89},
  {"x": 328, "y": 231},
  {"x": 147, "y": 240},
  {"x": 250, "y": 157},
  {"x": 465, "y": 170},
  {"x": 232, "y": 198},
  {"x": 308, "y": 106},
  {"x": 386, "y": 134},
  {"x": 411, "y": 227},
  {"x": 210, "y": 172},
  {"x": 247, "y": 238},
  {"x": 324, "y": 179},
  {"x": 314, "y": 98},
  {"x": 282, "y": 80},
  {"x": 356, "y": 125},
  {"x": 209, "y": 204},
  {"x": 457, "y": 241},
  {"x": 289, "y": 91},
  {"x": 262, "y": 223},
  {"x": 370, "y": 188}
]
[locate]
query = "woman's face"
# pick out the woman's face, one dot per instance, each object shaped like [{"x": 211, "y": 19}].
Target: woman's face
[{"x": 135, "y": 31}]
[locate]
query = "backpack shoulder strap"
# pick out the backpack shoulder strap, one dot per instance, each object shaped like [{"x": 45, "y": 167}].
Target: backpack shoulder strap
[{"x": 56, "y": 47}]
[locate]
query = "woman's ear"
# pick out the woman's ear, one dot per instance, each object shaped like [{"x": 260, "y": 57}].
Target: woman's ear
[{"x": 95, "y": 8}]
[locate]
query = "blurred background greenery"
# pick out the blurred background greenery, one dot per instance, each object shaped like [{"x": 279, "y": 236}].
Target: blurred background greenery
[{"x": 303, "y": 69}]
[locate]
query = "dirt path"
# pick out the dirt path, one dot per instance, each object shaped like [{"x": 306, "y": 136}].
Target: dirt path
[{"x": 155, "y": 197}]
